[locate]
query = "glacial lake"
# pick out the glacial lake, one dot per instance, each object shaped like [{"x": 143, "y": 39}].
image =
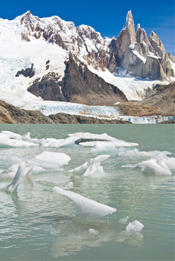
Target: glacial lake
[{"x": 37, "y": 224}]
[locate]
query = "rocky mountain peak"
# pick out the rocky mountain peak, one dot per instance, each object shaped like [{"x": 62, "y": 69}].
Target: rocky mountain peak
[
  {"x": 143, "y": 41},
  {"x": 130, "y": 27},
  {"x": 28, "y": 19},
  {"x": 142, "y": 56},
  {"x": 156, "y": 43},
  {"x": 129, "y": 18},
  {"x": 126, "y": 37}
]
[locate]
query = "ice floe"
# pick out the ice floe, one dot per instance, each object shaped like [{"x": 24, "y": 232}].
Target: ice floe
[
  {"x": 22, "y": 171},
  {"x": 10, "y": 139},
  {"x": 135, "y": 226},
  {"x": 135, "y": 153},
  {"x": 85, "y": 205},
  {"x": 102, "y": 139},
  {"x": 160, "y": 166},
  {"x": 92, "y": 167},
  {"x": 51, "y": 160}
]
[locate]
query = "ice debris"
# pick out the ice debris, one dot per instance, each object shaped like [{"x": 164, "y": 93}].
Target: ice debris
[
  {"x": 22, "y": 171},
  {"x": 160, "y": 166},
  {"x": 85, "y": 205},
  {"x": 135, "y": 226},
  {"x": 50, "y": 160},
  {"x": 124, "y": 220},
  {"x": 92, "y": 166}
]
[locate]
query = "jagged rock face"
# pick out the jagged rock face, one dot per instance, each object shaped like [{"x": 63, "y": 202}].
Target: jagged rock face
[
  {"x": 172, "y": 58},
  {"x": 82, "y": 86},
  {"x": 157, "y": 45},
  {"x": 143, "y": 41},
  {"x": 48, "y": 87},
  {"x": 142, "y": 56},
  {"x": 82, "y": 39},
  {"x": 78, "y": 85},
  {"x": 126, "y": 38},
  {"x": 28, "y": 72}
]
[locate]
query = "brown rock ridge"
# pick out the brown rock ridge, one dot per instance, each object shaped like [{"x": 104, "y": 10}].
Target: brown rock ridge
[
  {"x": 162, "y": 97},
  {"x": 159, "y": 101},
  {"x": 13, "y": 115}
]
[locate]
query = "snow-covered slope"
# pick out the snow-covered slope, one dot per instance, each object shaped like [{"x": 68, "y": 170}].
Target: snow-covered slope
[{"x": 46, "y": 43}]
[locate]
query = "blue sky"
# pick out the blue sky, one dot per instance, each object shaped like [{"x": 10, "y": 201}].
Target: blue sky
[{"x": 106, "y": 16}]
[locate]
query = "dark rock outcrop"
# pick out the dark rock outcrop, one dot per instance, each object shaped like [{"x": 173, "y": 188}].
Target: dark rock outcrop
[
  {"x": 28, "y": 72},
  {"x": 48, "y": 87},
  {"x": 82, "y": 86}
]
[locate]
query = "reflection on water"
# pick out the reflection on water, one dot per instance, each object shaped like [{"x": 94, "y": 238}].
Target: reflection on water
[{"x": 76, "y": 234}]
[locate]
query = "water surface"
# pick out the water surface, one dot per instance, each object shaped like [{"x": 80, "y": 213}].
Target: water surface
[{"x": 37, "y": 224}]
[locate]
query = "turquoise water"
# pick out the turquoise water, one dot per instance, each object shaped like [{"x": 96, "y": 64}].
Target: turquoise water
[{"x": 36, "y": 224}]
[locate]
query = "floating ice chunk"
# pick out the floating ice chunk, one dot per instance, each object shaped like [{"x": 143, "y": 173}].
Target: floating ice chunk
[
  {"x": 108, "y": 144},
  {"x": 101, "y": 158},
  {"x": 92, "y": 166},
  {"x": 124, "y": 220},
  {"x": 103, "y": 147},
  {"x": 85, "y": 205},
  {"x": 93, "y": 169},
  {"x": 161, "y": 166},
  {"x": 10, "y": 139},
  {"x": 58, "y": 143},
  {"x": 51, "y": 160},
  {"x": 103, "y": 137},
  {"x": 11, "y": 135},
  {"x": 82, "y": 167},
  {"x": 37, "y": 169},
  {"x": 22, "y": 171},
  {"x": 11, "y": 171},
  {"x": 3, "y": 186},
  {"x": 93, "y": 232},
  {"x": 136, "y": 153},
  {"x": 134, "y": 226},
  {"x": 70, "y": 185}
]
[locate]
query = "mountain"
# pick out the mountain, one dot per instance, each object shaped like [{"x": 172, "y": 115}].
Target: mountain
[
  {"x": 142, "y": 56},
  {"x": 45, "y": 60}
]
